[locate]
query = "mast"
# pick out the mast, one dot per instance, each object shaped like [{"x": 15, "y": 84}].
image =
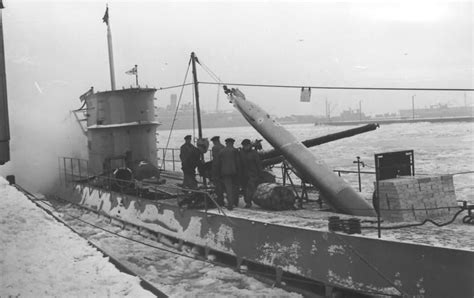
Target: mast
[
  {"x": 198, "y": 109},
  {"x": 111, "y": 53},
  {"x": 196, "y": 91},
  {"x": 136, "y": 75},
  {"x": 4, "y": 126}
]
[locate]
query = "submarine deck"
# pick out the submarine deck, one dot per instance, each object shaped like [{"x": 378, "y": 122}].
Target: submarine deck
[
  {"x": 453, "y": 236},
  {"x": 456, "y": 235}
]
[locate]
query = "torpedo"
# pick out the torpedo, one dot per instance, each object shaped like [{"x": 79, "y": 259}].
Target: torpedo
[{"x": 335, "y": 191}]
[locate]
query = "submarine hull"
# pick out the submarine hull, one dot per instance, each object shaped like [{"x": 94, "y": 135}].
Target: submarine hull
[{"x": 300, "y": 246}]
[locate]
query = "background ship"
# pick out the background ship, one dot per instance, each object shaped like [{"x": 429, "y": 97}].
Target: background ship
[
  {"x": 184, "y": 117},
  {"x": 435, "y": 113}
]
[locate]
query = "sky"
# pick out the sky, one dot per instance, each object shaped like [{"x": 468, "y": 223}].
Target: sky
[
  {"x": 59, "y": 48},
  {"x": 56, "y": 50}
]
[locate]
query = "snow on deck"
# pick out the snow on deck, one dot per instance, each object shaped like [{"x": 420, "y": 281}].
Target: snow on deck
[
  {"x": 455, "y": 236},
  {"x": 42, "y": 258}
]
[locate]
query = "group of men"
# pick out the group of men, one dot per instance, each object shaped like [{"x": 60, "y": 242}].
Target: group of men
[{"x": 232, "y": 169}]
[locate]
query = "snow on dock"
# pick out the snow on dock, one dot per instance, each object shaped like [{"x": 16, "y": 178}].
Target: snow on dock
[{"x": 42, "y": 258}]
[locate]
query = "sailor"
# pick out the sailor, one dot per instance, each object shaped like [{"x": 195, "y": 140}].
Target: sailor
[
  {"x": 190, "y": 158},
  {"x": 219, "y": 186},
  {"x": 251, "y": 171},
  {"x": 228, "y": 166}
]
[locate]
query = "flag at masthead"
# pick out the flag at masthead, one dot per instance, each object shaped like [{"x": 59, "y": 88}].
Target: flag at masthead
[{"x": 105, "y": 19}]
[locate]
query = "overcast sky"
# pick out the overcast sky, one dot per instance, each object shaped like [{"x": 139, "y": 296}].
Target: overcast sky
[{"x": 56, "y": 50}]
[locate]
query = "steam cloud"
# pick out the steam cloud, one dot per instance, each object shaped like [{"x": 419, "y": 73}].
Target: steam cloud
[{"x": 42, "y": 129}]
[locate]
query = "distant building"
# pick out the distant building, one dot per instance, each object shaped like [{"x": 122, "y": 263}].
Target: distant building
[{"x": 438, "y": 111}]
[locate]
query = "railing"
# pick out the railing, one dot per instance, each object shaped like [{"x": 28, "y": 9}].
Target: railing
[
  {"x": 283, "y": 179},
  {"x": 169, "y": 158},
  {"x": 72, "y": 169},
  {"x": 358, "y": 172},
  {"x": 76, "y": 171}
]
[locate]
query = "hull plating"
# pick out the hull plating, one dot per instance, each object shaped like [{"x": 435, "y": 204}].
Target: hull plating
[{"x": 352, "y": 262}]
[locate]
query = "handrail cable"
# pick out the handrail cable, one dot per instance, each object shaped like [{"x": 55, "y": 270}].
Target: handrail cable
[{"x": 177, "y": 107}]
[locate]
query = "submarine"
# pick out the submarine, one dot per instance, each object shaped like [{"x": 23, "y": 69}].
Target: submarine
[
  {"x": 329, "y": 246},
  {"x": 302, "y": 245}
]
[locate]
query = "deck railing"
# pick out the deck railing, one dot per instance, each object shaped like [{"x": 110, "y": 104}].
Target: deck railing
[{"x": 168, "y": 158}]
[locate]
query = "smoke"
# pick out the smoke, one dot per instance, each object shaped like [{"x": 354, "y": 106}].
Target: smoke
[{"x": 42, "y": 129}]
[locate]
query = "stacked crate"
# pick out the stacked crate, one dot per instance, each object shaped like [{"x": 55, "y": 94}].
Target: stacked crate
[{"x": 414, "y": 198}]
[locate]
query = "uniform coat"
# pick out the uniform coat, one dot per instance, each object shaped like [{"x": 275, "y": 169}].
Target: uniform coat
[
  {"x": 251, "y": 172},
  {"x": 228, "y": 165}
]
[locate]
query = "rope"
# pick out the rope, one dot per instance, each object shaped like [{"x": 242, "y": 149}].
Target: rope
[
  {"x": 372, "y": 266},
  {"x": 419, "y": 224},
  {"x": 462, "y": 173},
  {"x": 194, "y": 115},
  {"x": 210, "y": 73},
  {"x": 175, "y": 86},
  {"x": 176, "y": 111},
  {"x": 215, "y": 78},
  {"x": 340, "y": 87}
]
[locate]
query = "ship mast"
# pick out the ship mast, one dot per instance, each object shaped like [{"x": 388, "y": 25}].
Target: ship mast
[
  {"x": 196, "y": 91},
  {"x": 4, "y": 126},
  {"x": 111, "y": 53},
  {"x": 194, "y": 59}
]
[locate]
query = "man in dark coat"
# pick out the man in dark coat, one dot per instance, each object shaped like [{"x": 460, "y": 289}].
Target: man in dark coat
[
  {"x": 228, "y": 166},
  {"x": 251, "y": 171},
  {"x": 219, "y": 186},
  {"x": 190, "y": 158}
]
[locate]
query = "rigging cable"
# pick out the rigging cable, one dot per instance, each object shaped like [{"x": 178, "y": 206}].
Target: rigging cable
[
  {"x": 364, "y": 260},
  {"x": 176, "y": 111},
  {"x": 340, "y": 87},
  {"x": 175, "y": 86},
  {"x": 210, "y": 73},
  {"x": 194, "y": 115},
  {"x": 215, "y": 78}
]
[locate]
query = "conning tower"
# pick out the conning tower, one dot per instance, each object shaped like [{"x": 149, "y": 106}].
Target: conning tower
[{"x": 121, "y": 129}]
